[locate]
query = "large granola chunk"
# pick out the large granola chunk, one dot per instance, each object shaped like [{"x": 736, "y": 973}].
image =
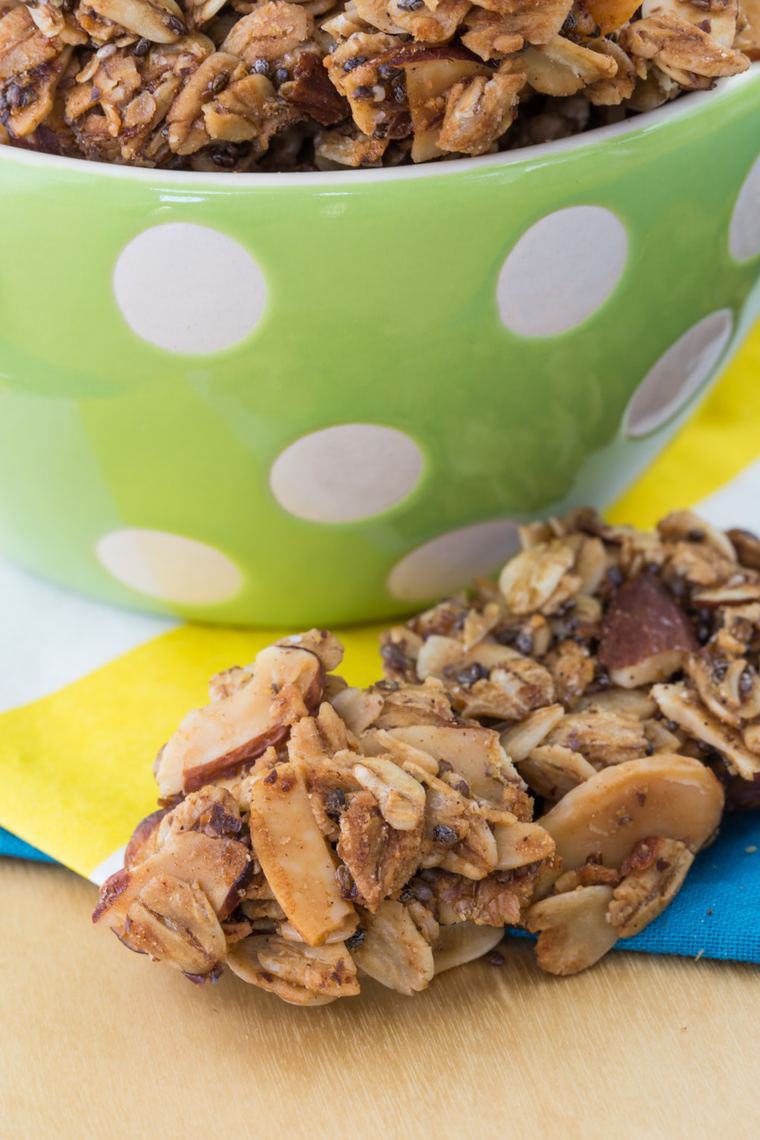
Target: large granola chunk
[{"x": 310, "y": 830}]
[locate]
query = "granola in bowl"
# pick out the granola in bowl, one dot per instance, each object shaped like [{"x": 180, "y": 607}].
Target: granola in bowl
[
  {"x": 547, "y": 752},
  {"x": 274, "y": 85}
]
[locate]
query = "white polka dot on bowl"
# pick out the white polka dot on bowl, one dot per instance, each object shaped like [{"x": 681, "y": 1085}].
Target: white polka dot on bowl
[
  {"x": 346, "y": 472},
  {"x": 561, "y": 270},
  {"x": 451, "y": 560},
  {"x": 679, "y": 373},
  {"x": 170, "y": 567},
  {"x": 188, "y": 289},
  {"x": 744, "y": 231}
]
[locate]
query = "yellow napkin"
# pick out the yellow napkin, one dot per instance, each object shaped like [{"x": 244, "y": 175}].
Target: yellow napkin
[{"x": 89, "y": 694}]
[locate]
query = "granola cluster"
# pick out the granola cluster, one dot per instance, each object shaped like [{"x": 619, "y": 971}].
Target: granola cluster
[
  {"x": 273, "y": 85},
  {"x": 312, "y": 830},
  {"x": 548, "y": 751}
]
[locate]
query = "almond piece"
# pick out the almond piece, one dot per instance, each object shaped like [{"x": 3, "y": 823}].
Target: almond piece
[
  {"x": 645, "y": 634},
  {"x": 215, "y": 741}
]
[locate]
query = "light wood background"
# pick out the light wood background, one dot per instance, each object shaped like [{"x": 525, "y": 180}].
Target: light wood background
[{"x": 97, "y": 1042}]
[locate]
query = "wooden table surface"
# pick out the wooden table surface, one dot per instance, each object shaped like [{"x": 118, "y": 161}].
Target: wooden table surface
[{"x": 97, "y": 1042}]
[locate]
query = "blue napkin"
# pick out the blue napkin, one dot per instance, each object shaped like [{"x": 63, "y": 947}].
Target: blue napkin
[
  {"x": 717, "y": 912},
  {"x": 17, "y": 849},
  {"x": 715, "y": 915}
]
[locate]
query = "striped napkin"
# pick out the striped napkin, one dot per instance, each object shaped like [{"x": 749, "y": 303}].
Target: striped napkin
[{"x": 87, "y": 692}]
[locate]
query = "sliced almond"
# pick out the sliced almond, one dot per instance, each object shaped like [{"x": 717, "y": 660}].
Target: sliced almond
[
  {"x": 297, "y": 862},
  {"x": 473, "y": 752},
  {"x": 552, "y": 770},
  {"x": 669, "y": 795},
  {"x": 243, "y": 960},
  {"x": 679, "y": 704},
  {"x": 573, "y": 929},
  {"x": 400, "y": 797},
  {"x": 393, "y": 951},
  {"x": 232, "y": 731},
  {"x": 219, "y": 867},
  {"x": 464, "y": 942},
  {"x": 520, "y": 740},
  {"x": 519, "y": 844}
]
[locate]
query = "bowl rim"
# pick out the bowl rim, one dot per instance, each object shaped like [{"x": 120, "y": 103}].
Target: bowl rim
[{"x": 685, "y": 106}]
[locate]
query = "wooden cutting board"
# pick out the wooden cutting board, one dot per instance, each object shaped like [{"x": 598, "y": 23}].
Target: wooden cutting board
[{"x": 97, "y": 1042}]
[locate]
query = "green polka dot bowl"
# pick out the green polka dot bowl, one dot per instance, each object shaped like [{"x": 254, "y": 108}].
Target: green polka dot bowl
[{"x": 327, "y": 398}]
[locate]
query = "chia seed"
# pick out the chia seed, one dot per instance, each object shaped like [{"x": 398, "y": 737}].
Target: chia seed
[
  {"x": 615, "y": 576},
  {"x": 356, "y": 939},
  {"x": 444, "y": 835},
  {"x": 471, "y": 673},
  {"x": 394, "y": 657},
  {"x": 218, "y": 83},
  {"x": 346, "y": 884},
  {"x": 746, "y": 682},
  {"x": 227, "y": 161},
  {"x": 524, "y": 642},
  {"x": 335, "y": 802}
]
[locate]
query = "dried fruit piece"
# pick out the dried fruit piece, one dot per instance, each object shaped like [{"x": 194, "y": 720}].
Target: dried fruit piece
[
  {"x": 311, "y": 91},
  {"x": 609, "y": 15}
]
